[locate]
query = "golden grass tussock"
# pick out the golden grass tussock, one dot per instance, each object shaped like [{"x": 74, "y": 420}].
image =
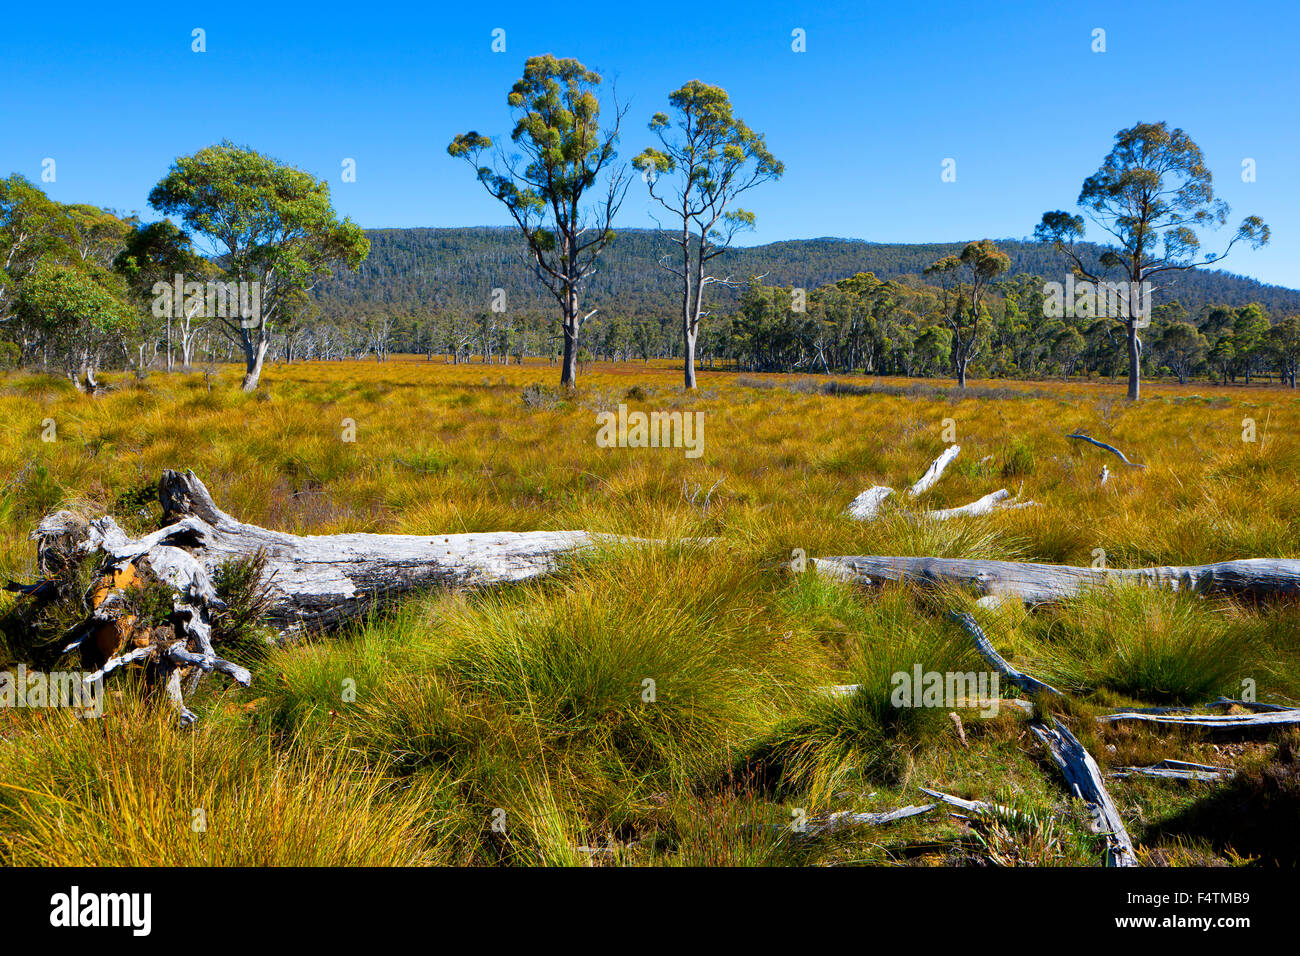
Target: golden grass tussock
[{"x": 651, "y": 705}]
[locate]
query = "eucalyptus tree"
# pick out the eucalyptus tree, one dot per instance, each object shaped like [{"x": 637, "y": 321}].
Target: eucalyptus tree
[
  {"x": 1151, "y": 195},
  {"x": 81, "y": 314},
  {"x": 157, "y": 253},
  {"x": 1183, "y": 349},
  {"x": 715, "y": 157},
  {"x": 1284, "y": 339},
  {"x": 29, "y": 230},
  {"x": 272, "y": 230},
  {"x": 966, "y": 280},
  {"x": 565, "y": 188}
]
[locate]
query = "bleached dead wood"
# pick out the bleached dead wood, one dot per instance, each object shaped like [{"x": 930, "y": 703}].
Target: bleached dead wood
[
  {"x": 1252, "y": 705},
  {"x": 1247, "y": 704},
  {"x": 1030, "y": 685},
  {"x": 963, "y": 703},
  {"x": 1084, "y": 779},
  {"x": 1175, "y": 770},
  {"x": 994, "y": 501},
  {"x": 979, "y": 807},
  {"x": 1263, "y": 578},
  {"x": 1110, "y": 448},
  {"x": 934, "y": 472},
  {"x": 866, "y": 506},
  {"x": 843, "y": 819},
  {"x": 323, "y": 580},
  {"x": 1209, "y": 721},
  {"x": 312, "y": 581}
]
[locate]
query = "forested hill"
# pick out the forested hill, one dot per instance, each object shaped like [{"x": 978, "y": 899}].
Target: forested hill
[{"x": 416, "y": 271}]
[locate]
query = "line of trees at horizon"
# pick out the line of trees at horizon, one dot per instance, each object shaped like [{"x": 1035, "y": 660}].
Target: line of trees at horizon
[{"x": 80, "y": 287}]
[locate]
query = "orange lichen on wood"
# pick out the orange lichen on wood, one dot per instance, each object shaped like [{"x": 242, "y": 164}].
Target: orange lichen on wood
[{"x": 111, "y": 636}]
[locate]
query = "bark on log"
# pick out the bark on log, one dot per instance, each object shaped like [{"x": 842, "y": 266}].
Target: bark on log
[
  {"x": 312, "y": 581},
  {"x": 1259, "y": 578},
  {"x": 323, "y": 580}
]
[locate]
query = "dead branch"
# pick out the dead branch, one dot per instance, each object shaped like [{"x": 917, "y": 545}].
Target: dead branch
[
  {"x": 1084, "y": 779},
  {"x": 1110, "y": 448},
  {"x": 1030, "y": 685}
]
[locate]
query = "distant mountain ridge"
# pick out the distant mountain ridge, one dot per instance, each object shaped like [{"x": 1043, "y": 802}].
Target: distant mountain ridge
[{"x": 420, "y": 270}]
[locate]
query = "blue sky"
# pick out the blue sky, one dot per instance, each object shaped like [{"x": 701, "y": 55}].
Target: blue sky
[{"x": 863, "y": 119}]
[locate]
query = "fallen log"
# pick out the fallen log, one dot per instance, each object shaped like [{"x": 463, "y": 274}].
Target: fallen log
[
  {"x": 994, "y": 501},
  {"x": 319, "y": 581},
  {"x": 934, "y": 472},
  {"x": 962, "y": 703},
  {"x": 843, "y": 819},
  {"x": 1260, "y": 578},
  {"x": 1209, "y": 721},
  {"x": 1176, "y": 770},
  {"x": 866, "y": 506},
  {"x": 307, "y": 581},
  {"x": 1110, "y": 448},
  {"x": 1084, "y": 779}
]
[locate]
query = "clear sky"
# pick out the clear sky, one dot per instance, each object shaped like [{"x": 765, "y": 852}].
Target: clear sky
[{"x": 885, "y": 92}]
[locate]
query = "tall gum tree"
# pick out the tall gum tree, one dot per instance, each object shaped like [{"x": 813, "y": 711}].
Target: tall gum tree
[
  {"x": 966, "y": 280},
  {"x": 715, "y": 157},
  {"x": 1151, "y": 195},
  {"x": 547, "y": 190},
  {"x": 266, "y": 222}
]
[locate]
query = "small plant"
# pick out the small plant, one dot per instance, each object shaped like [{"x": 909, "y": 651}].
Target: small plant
[
  {"x": 1017, "y": 460},
  {"x": 537, "y": 395},
  {"x": 245, "y": 587}
]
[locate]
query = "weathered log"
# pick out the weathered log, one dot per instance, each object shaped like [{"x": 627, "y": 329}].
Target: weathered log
[
  {"x": 934, "y": 472},
  {"x": 310, "y": 581},
  {"x": 978, "y": 807},
  {"x": 866, "y": 506},
  {"x": 843, "y": 819},
  {"x": 322, "y": 580},
  {"x": 1110, "y": 448},
  {"x": 1083, "y": 776},
  {"x": 994, "y": 501},
  {"x": 1030, "y": 685},
  {"x": 1176, "y": 770},
  {"x": 848, "y": 690},
  {"x": 1261, "y": 578},
  {"x": 1269, "y": 718}
]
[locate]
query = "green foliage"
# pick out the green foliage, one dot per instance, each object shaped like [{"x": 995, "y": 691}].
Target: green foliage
[{"x": 1017, "y": 460}]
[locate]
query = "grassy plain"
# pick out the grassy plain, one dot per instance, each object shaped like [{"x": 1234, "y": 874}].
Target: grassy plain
[{"x": 515, "y": 726}]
